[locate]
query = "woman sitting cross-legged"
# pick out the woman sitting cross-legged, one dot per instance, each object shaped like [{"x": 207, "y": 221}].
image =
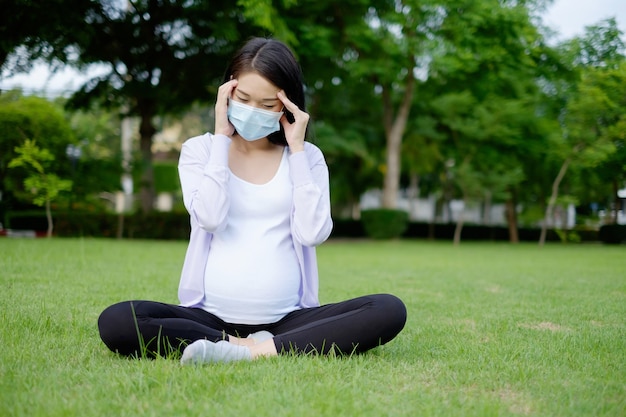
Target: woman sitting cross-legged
[{"x": 258, "y": 198}]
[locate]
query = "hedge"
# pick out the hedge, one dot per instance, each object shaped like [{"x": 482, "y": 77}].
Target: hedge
[
  {"x": 384, "y": 223},
  {"x": 175, "y": 226},
  {"x": 157, "y": 225},
  {"x": 613, "y": 234}
]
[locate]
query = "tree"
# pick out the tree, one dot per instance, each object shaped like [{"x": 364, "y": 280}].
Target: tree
[
  {"x": 353, "y": 166},
  {"x": 591, "y": 124},
  {"x": 165, "y": 55},
  {"x": 33, "y": 118},
  {"x": 387, "y": 49},
  {"x": 480, "y": 159},
  {"x": 603, "y": 48},
  {"x": 43, "y": 185},
  {"x": 421, "y": 157},
  {"x": 96, "y": 165},
  {"x": 484, "y": 93},
  {"x": 594, "y": 109},
  {"x": 162, "y": 56},
  {"x": 346, "y": 124}
]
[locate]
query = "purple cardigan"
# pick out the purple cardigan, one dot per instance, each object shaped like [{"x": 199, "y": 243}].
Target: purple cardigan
[{"x": 204, "y": 175}]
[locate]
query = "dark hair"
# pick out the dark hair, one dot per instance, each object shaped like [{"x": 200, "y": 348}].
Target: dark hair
[{"x": 273, "y": 60}]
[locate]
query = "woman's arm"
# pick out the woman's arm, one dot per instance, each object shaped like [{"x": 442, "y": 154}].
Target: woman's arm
[
  {"x": 203, "y": 171},
  {"x": 203, "y": 168},
  {"x": 312, "y": 222}
]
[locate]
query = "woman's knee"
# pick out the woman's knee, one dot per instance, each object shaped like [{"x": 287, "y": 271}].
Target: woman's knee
[
  {"x": 117, "y": 325},
  {"x": 393, "y": 310}
]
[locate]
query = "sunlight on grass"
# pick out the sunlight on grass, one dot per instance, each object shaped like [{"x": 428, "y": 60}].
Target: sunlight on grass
[{"x": 493, "y": 330}]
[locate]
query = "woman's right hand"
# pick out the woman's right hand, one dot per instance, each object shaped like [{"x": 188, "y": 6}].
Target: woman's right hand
[{"x": 222, "y": 125}]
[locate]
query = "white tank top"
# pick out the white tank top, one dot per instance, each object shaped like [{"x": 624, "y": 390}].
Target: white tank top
[{"x": 252, "y": 275}]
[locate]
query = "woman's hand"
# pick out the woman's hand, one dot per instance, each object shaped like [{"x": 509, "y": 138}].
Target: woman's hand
[
  {"x": 294, "y": 132},
  {"x": 222, "y": 125}
]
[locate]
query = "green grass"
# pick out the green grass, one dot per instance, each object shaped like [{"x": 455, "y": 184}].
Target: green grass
[{"x": 493, "y": 330}]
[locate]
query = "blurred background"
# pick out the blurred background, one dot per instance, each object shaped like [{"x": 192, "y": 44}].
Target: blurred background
[{"x": 449, "y": 119}]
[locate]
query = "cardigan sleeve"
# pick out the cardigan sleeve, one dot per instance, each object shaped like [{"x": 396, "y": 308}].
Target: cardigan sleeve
[
  {"x": 203, "y": 171},
  {"x": 312, "y": 222}
]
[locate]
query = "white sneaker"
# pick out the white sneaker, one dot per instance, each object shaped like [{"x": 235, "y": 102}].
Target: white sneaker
[{"x": 204, "y": 351}]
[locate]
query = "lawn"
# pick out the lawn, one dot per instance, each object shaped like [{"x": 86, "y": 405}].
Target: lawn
[{"x": 493, "y": 330}]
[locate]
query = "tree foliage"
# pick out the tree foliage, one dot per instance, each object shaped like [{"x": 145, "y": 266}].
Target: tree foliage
[
  {"x": 161, "y": 55},
  {"x": 42, "y": 185},
  {"x": 23, "y": 118},
  {"x": 29, "y": 32},
  {"x": 463, "y": 99},
  {"x": 593, "y": 110}
]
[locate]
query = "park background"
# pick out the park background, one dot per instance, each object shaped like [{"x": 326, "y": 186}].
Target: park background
[{"x": 438, "y": 119}]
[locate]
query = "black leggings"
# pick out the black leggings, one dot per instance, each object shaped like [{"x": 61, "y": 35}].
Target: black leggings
[{"x": 150, "y": 328}]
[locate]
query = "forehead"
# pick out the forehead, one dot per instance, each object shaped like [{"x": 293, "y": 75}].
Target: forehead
[{"x": 255, "y": 84}]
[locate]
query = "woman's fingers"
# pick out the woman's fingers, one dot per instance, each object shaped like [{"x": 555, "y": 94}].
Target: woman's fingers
[
  {"x": 296, "y": 131},
  {"x": 226, "y": 88},
  {"x": 222, "y": 125},
  {"x": 289, "y": 105}
]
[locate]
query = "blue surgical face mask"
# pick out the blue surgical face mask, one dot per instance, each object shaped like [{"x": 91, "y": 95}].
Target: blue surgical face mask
[{"x": 252, "y": 123}]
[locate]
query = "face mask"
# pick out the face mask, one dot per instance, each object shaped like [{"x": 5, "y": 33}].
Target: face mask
[{"x": 252, "y": 123}]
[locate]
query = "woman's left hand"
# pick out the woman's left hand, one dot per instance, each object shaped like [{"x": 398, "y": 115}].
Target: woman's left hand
[{"x": 296, "y": 131}]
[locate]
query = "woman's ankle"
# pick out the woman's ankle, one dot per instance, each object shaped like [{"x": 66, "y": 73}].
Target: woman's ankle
[
  {"x": 241, "y": 341},
  {"x": 263, "y": 349}
]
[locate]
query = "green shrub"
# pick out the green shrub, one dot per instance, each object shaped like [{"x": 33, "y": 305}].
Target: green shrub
[
  {"x": 568, "y": 236},
  {"x": 612, "y": 233},
  {"x": 166, "y": 177},
  {"x": 384, "y": 223}
]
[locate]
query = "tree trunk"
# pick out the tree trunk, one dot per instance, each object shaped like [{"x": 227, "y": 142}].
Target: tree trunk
[
  {"x": 459, "y": 226},
  {"x": 511, "y": 220},
  {"x": 394, "y": 131},
  {"x": 127, "y": 160},
  {"x": 120, "y": 225},
  {"x": 433, "y": 223},
  {"x": 413, "y": 193},
  {"x": 616, "y": 204},
  {"x": 3, "y": 59},
  {"x": 146, "y": 131},
  {"x": 487, "y": 208},
  {"x": 49, "y": 217},
  {"x": 392, "y": 174},
  {"x": 552, "y": 201}
]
